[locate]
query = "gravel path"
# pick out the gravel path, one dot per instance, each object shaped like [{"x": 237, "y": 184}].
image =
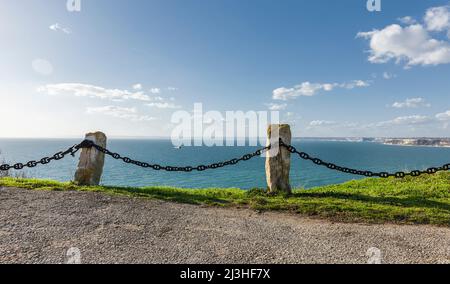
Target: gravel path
[{"x": 40, "y": 227}]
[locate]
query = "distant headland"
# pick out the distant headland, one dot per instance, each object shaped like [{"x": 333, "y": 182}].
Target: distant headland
[
  {"x": 430, "y": 142},
  {"x": 422, "y": 141}
]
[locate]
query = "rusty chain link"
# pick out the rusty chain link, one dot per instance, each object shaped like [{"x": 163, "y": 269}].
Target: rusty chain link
[{"x": 90, "y": 144}]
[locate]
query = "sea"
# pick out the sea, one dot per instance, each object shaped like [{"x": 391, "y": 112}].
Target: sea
[{"x": 246, "y": 175}]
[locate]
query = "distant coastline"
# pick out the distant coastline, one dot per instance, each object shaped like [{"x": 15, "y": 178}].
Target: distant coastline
[
  {"x": 407, "y": 142},
  {"x": 423, "y": 142}
]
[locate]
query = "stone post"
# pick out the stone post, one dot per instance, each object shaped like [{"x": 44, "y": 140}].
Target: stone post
[
  {"x": 90, "y": 166},
  {"x": 278, "y": 160}
]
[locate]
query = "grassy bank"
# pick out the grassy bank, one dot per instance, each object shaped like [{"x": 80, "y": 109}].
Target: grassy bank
[{"x": 422, "y": 200}]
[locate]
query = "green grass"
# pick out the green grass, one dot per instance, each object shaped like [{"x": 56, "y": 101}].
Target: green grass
[{"x": 422, "y": 200}]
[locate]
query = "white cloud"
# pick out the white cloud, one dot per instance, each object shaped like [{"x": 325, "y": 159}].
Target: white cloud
[
  {"x": 405, "y": 121},
  {"x": 119, "y": 112},
  {"x": 445, "y": 116},
  {"x": 399, "y": 126},
  {"x": 155, "y": 91},
  {"x": 85, "y": 90},
  {"x": 316, "y": 123},
  {"x": 172, "y": 89},
  {"x": 42, "y": 66},
  {"x": 438, "y": 18},
  {"x": 291, "y": 118},
  {"x": 310, "y": 89},
  {"x": 158, "y": 99},
  {"x": 408, "y": 20},
  {"x": 277, "y": 107},
  {"x": 412, "y": 44},
  {"x": 330, "y": 125},
  {"x": 388, "y": 76},
  {"x": 164, "y": 105},
  {"x": 57, "y": 27},
  {"x": 116, "y": 95},
  {"x": 411, "y": 103},
  {"x": 411, "y": 122},
  {"x": 354, "y": 84},
  {"x": 137, "y": 87}
]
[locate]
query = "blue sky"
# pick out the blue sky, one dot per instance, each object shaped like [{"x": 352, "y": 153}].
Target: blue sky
[{"x": 332, "y": 68}]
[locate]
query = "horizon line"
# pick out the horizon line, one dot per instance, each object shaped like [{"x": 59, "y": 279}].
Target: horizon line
[{"x": 169, "y": 138}]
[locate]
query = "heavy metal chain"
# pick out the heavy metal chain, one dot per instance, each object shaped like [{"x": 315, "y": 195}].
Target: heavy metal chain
[
  {"x": 44, "y": 161},
  {"x": 187, "y": 169},
  {"x": 90, "y": 144},
  {"x": 346, "y": 170}
]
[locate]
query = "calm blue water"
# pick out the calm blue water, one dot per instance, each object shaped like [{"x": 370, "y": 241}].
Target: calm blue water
[{"x": 367, "y": 156}]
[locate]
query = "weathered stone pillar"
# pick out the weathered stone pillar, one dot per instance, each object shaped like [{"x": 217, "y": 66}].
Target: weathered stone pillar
[
  {"x": 278, "y": 161},
  {"x": 90, "y": 166}
]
